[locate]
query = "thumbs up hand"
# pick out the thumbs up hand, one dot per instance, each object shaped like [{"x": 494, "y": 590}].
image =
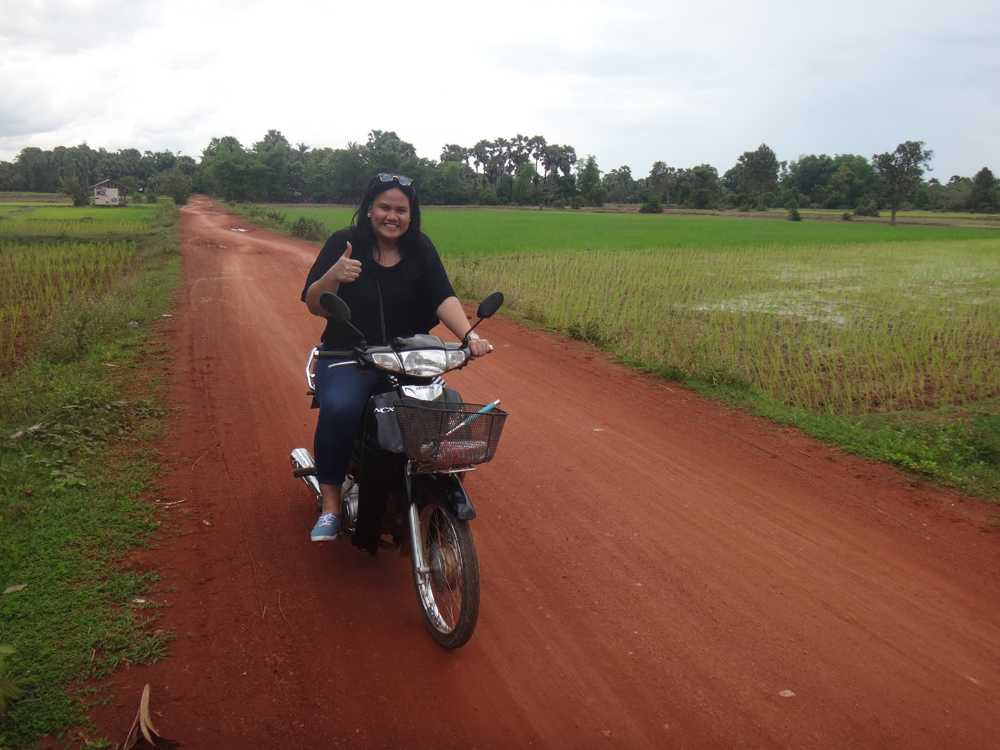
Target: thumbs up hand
[{"x": 346, "y": 269}]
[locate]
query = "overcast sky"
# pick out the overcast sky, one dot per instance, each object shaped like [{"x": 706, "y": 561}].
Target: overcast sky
[{"x": 686, "y": 83}]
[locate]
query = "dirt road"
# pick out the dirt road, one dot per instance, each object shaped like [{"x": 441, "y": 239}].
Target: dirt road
[{"x": 658, "y": 571}]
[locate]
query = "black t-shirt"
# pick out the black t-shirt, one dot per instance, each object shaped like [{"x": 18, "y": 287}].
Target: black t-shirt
[{"x": 411, "y": 291}]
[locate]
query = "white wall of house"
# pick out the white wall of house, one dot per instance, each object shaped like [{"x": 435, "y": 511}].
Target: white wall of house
[{"x": 106, "y": 196}]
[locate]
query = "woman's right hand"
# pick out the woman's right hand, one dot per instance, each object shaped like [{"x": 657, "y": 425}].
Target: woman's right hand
[{"x": 346, "y": 269}]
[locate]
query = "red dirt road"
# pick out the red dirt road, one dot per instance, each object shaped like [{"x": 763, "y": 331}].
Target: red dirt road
[{"x": 657, "y": 570}]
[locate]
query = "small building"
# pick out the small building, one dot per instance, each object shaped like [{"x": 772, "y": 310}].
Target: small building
[{"x": 107, "y": 193}]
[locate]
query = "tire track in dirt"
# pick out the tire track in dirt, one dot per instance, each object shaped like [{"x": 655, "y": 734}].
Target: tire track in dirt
[{"x": 656, "y": 568}]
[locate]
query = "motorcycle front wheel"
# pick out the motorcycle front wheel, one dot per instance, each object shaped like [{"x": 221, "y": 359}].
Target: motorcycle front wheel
[{"x": 448, "y": 593}]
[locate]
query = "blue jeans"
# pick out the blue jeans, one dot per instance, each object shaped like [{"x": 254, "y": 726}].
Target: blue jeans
[{"x": 342, "y": 390}]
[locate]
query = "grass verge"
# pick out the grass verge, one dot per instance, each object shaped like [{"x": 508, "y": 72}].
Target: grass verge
[
  {"x": 74, "y": 433},
  {"x": 955, "y": 446}
]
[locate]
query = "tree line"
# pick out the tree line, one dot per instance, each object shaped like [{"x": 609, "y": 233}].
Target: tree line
[
  {"x": 73, "y": 169},
  {"x": 521, "y": 170}
]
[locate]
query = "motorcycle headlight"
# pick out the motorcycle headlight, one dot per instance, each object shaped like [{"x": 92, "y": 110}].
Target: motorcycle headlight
[
  {"x": 387, "y": 361},
  {"x": 420, "y": 363},
  {"x": 424, "y": 363},
  {"x": 456, "y": 358}
]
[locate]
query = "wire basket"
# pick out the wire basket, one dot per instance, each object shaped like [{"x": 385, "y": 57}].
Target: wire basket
[{"x": 439, "y": 436}]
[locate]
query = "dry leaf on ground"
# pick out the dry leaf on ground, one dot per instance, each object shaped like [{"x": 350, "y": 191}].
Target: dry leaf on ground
[{"x": 142, "y": 729}]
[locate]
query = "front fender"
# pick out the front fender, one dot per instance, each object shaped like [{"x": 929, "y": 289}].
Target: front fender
[{"x": 447, "y": 490}]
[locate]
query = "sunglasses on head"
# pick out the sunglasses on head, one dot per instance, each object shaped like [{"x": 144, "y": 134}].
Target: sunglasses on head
[{"x": 398, "y": 178}]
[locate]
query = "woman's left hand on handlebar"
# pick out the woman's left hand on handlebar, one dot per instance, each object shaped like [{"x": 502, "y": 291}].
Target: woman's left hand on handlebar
[{"x": 480, "y": 347}]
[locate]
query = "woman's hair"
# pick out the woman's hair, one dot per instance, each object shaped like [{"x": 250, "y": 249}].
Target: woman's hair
[{"x": 410, "y": 240}]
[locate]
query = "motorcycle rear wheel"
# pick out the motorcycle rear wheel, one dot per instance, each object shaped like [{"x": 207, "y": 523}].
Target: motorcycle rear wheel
[{"x": 448, "y": 594}]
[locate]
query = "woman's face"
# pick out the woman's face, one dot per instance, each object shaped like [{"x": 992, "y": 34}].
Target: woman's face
[{"x": 390, "y": 215}]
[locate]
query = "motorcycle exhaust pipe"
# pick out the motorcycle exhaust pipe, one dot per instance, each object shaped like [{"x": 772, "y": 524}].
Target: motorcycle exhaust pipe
[{"x": 304, "y": 467}]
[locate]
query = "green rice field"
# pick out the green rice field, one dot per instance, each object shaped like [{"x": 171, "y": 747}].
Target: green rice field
[
  {"x": 51, "y": 256},
  {"x": 29, "y": 198},
  {"x": 902, "y": 215},
  {"x": 46, "y": 221},
  {"x": 845, "y": 318},
  {"x": 485, "y": 232},
  {"x": 846, "y": 329},
  {"x": 35, "y": 279}
]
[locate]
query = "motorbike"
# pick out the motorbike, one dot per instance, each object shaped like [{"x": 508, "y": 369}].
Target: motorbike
[{"x": 405, "y": 485}]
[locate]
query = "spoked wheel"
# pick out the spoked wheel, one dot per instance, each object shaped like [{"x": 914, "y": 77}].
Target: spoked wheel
[{"x": 448, "y": 593}]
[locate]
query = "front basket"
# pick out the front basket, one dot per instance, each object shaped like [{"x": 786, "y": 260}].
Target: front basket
[{"x": 439, "y": 436}]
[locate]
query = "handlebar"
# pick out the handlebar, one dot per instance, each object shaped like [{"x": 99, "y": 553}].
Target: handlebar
[
  {"x": 420, "y": 356},
  {"x": 361, "y": 352}
]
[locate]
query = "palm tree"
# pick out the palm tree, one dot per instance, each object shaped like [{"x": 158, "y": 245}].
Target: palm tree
[
  {"x": 536, "y": 146},
  {"x": 481, "y": 155}
]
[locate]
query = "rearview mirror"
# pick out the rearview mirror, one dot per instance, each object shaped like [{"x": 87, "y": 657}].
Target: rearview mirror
[
  {"x": 336, "y": 309},
  {"x": 490, "y": 305}
]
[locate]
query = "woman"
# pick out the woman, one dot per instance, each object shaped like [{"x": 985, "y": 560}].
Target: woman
[{"x": 391, "y": 277}]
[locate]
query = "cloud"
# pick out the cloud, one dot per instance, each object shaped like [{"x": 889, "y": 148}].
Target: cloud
[
  {"x": 67, "y": 27},
  {"x": 630, "y": 83},
  {"x": 20, "y": 116}
]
